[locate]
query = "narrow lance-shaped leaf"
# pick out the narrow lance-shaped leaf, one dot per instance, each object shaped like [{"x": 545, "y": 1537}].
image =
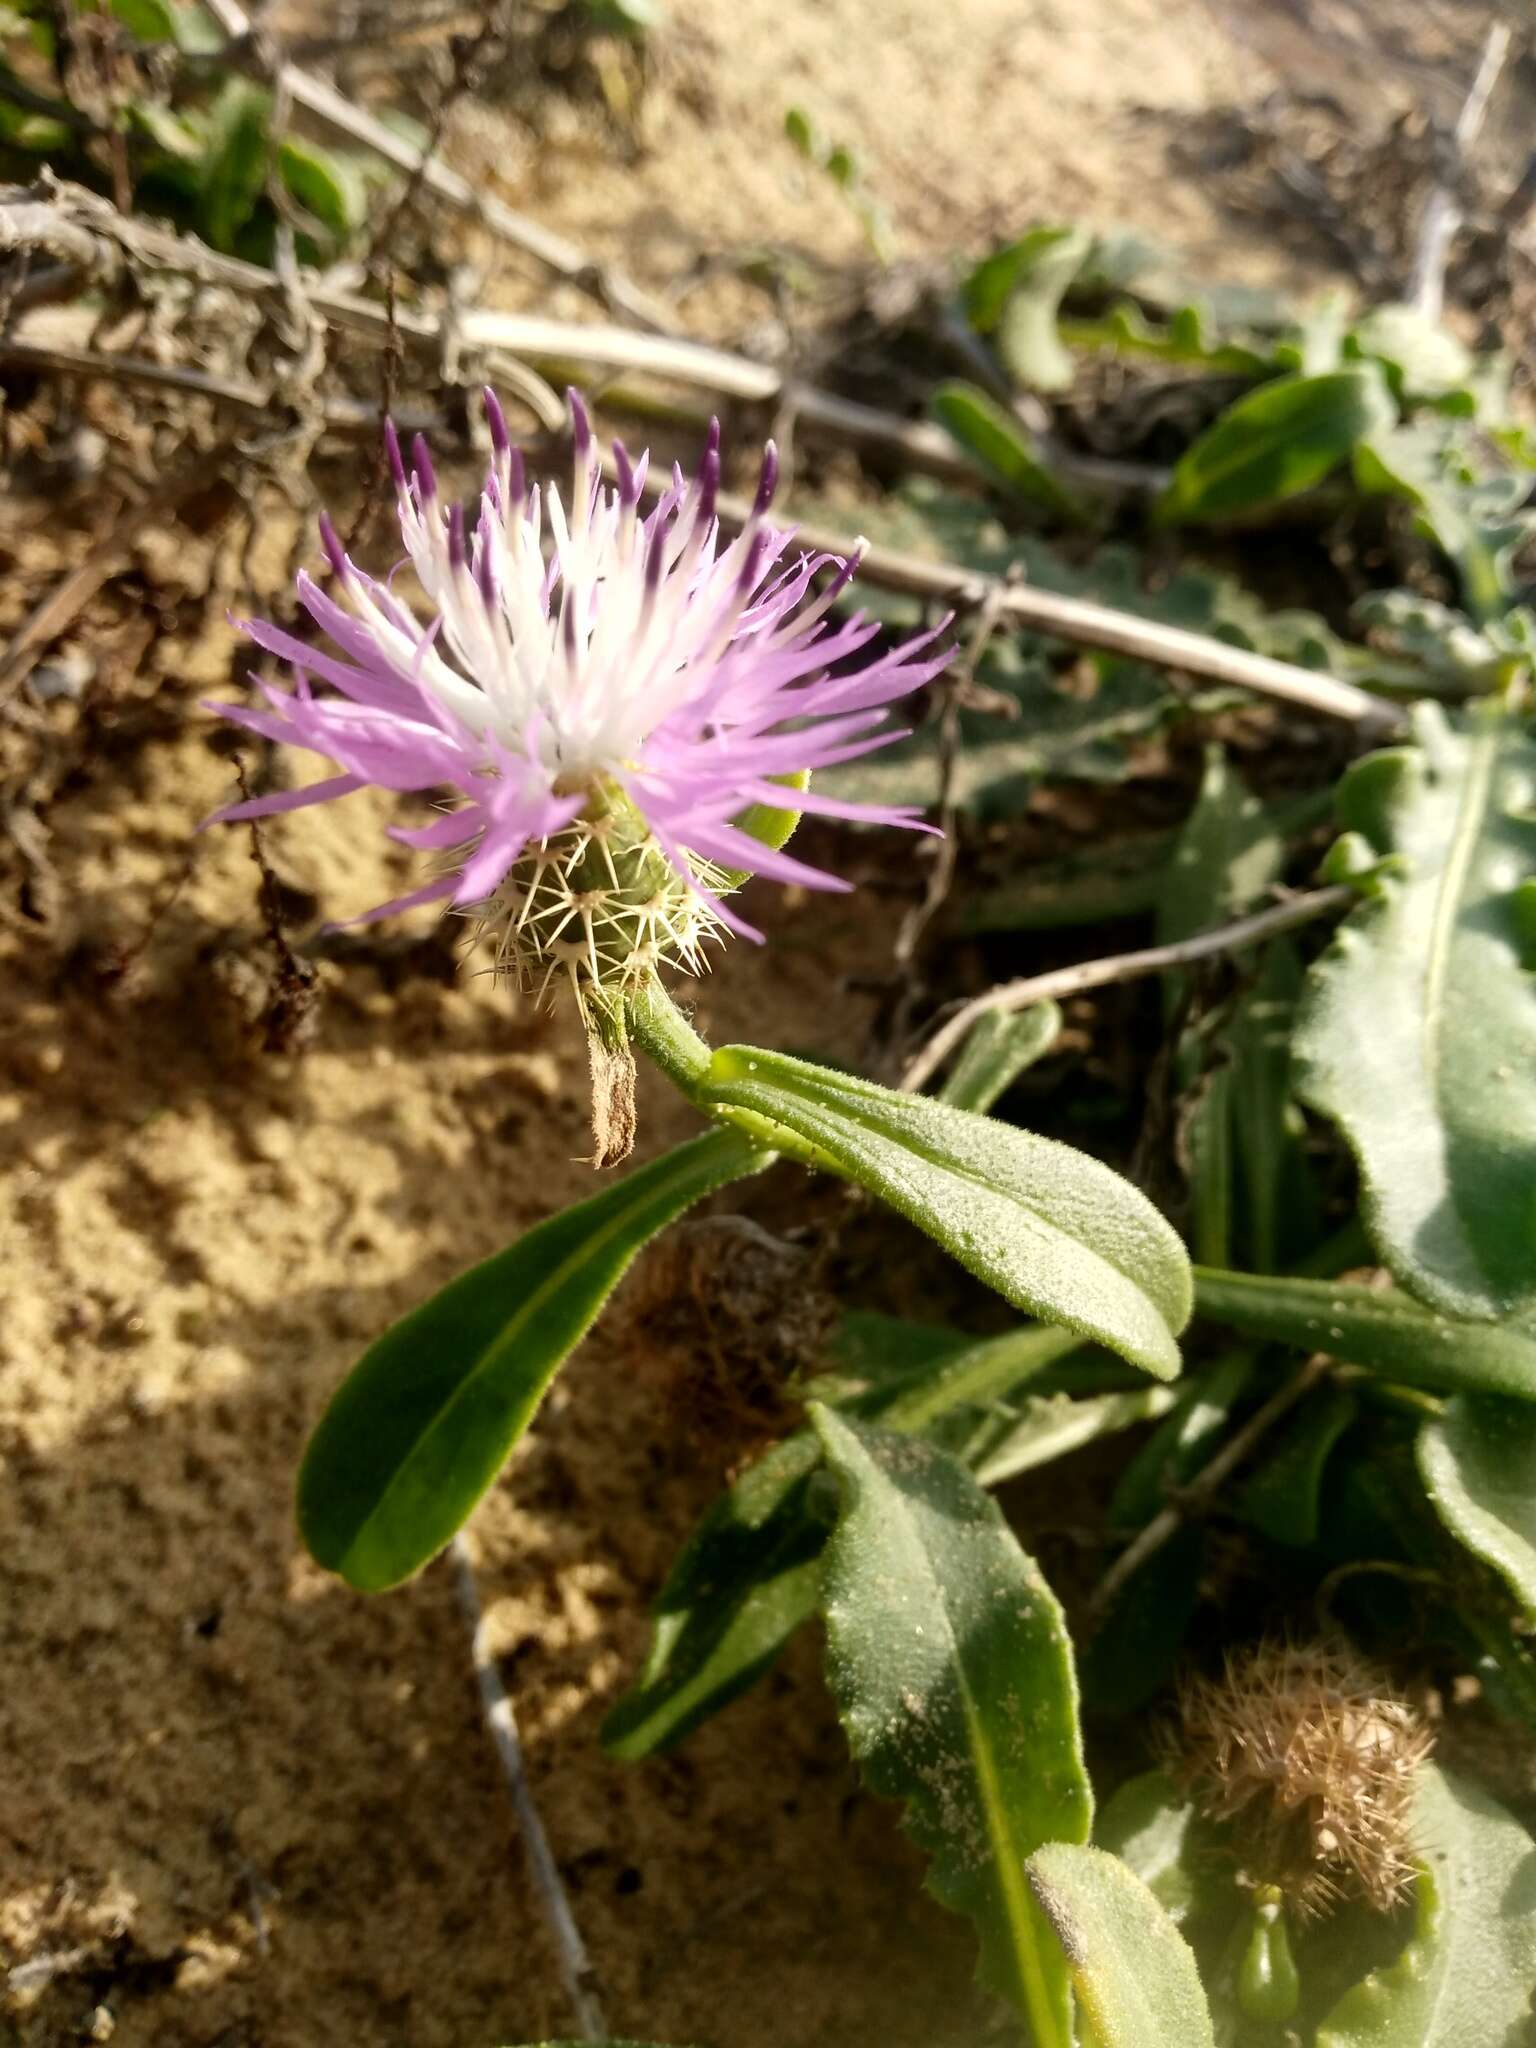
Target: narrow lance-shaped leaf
[
  {"x": 1418, "y": 1031},
  {"x": 1466, "y": 1978},
  {"x": 1132, "y": 1970},
  {"x": 998, "y": 441},
  {"x": 1391, "y": 1333},
  {"x": 952, "y": 1669},
  {"x": 1279, "y": 440},
  {"x": 1055, "y": 1232},
  {"x": 1477, "y": 1459},
  {"x": 426, "y": 1419}
]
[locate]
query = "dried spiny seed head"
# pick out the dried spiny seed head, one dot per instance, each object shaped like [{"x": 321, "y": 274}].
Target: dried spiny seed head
[{"x": 1309, "y": 1756}]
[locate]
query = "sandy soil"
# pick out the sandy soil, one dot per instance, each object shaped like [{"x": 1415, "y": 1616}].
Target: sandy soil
[{"x": 243, "y": 1806}]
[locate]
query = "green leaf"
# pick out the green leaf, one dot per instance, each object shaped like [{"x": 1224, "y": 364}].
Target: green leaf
[
  {"x": 426, "y": 1419},
  {"x": 1276, "y": 442},
  {"x": 1477, "y": 1459},
  {"x": 1389, "y": 1332},
  {"x": 330, "y": 189},
  {"x": 1474, "y": 516},
  {"x": 999, "y": 1049},
  {"x": 951, "y": 1666},
  {"x": 1417, "y": 1030},
  {"x": 997, "y": 439},
  {"x": 1015, "y": 294},
  {"x": 1187, "y": 338},
  {"x": 1133, "y": 1972},
  {"x": 1055, "y": 1232},
  {"x": 1283, "y": 1499},
  {"x": 750, "y": 1574},
  {"x": 235, "y": 161},
  {"x": 149, "y": 21},
  {"x": 1225, "y": 858},
  {"x": 1279, "y": 1206},
  {"x": 748, "y": 1577},
  {"x": 1181, "y": 1444},
  {"x": 1050, "y": 1426},
  {"x": 1158, "y": 1834},
  {"x": 1131, "y": 1654},
  {"x": 1421, "y": 360},
  {"x": 1466, "y": 1978}
]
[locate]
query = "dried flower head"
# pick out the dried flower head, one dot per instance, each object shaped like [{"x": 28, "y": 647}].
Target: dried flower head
[
  {"x": 609, "y": 699},
  {"x": 1308, "y": 1754}
]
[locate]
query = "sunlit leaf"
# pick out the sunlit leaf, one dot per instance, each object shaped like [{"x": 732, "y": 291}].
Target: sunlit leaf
[
  {"x": 1279, "y": 440},
  {"x": 420, "y": 1428},
  {"x": 1000, "y": 444},
  {"x": 952, "y": 1669},
  {"x": 1001, "y": 1047},
  {"x": 1417, "y": 1030},
  {"x": 1388, "y": 1331},
  {"x": 1133, "y": 1972},
  {"x": 1054, "y": 1231}
]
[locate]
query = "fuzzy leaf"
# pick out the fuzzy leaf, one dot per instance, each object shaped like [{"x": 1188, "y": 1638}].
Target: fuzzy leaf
[
  {"x": 1054, "y": 1231},
  {"x": 1181, "y": 1444},
  {"x": 1477, "y": 1459},
  {"x": 1417, "y": 1030},
  {"x": 1466, "y": 1978},
  {"x": 1277, "y": 441},
  {"x": 1391, "y": 1333},
  {"x": 1227, "y": 855},
  {"x": 326, "y": 185},
  {"x": 1000, "y": 1048},
  {"x": 420, "y": 1428},
  {"x": 1159, "y": 1835},
  {"x": 1132, "y": 1970},
  {"x": 750, "y": 1574},
  {"x": 951, "y": 1666}
]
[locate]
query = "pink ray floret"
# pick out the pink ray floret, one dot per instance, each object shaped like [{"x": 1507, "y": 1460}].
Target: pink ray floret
[{"x": 572, "y": 652}]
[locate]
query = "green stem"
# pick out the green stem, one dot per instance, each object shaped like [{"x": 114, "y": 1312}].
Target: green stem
[
  {"x": 981, "y": 1372},
  {"x": 660, "y": 1029}
]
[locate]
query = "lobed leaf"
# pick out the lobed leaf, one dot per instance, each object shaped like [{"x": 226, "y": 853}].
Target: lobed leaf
[
  {"x": 951, "y": 1666},
  {"x": 1054, "y": 1231},
  {"x": 1418, "y": 1025},
  {"x": 425, "y": 1420}
]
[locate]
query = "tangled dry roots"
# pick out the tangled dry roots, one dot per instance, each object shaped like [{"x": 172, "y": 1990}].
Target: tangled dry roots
[{"x": 1307, "y": 1753}]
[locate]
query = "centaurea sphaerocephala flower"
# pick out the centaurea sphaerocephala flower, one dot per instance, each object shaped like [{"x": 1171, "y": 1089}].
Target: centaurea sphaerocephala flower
[{"x": 609, "y": 698}]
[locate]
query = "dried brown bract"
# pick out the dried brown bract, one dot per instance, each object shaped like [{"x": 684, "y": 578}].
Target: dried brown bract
[{"x": 1308, "y": 1754}]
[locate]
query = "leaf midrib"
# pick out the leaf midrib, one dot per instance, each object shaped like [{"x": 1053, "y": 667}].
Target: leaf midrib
[{"x": 1007, "y": 1860}]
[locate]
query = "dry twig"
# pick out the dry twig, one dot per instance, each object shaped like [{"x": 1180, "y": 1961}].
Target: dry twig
[
  {"x": 576, "y": 1972},
  {"x": 1071, "y": 981},
  {"x": 1442, "y": 214}
]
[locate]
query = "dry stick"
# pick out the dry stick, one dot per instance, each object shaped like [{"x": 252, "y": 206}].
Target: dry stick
[
  {"x": 334, "y": 111},
  {"x": 1194, "y": 1497},
  {"x": 81, "y": 228},
  {"x": 1066, "y": 618},
  {"x": 1083, "y": 624},
  {"x": 1071, "y": 981},
  {"x": 1442, "y": 215},
  {"x": 576, "y": 1972}
]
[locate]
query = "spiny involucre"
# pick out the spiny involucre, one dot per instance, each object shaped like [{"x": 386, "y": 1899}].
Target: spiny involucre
[{"x": 605, "y": 710}]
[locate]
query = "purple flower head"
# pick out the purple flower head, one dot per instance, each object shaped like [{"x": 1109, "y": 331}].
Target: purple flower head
[{"x": 607, "y": 697}]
